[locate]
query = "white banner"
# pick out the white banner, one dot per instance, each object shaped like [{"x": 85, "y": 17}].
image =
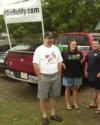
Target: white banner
[
  {"x": 1, "y": 10},
  {"x": 23, "y": 11}
]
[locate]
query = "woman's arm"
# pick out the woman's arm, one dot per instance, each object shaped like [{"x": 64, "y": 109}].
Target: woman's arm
[
  {"x": 86, "y": 69},
  {"x": 61, "y": 66},
  {"x": 98, "y": 75},
  {"x": 83, "y": 59}
]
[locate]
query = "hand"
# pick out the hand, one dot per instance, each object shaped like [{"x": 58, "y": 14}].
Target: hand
[
  {"x": 86, "y": 74},
  {"x": 98, "y": 75},
  {"x": 59, "y": 75},
  {"x": 63, "y": 66},
  {"x": 38, "y": 76}
]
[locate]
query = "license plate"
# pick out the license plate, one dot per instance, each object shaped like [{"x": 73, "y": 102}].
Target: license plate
[{"x": 23, "y": 75}]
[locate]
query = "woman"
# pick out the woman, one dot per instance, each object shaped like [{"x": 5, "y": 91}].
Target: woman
[
  {"x": 92, "y": 71},
  {"x": 73, "y": 73}
]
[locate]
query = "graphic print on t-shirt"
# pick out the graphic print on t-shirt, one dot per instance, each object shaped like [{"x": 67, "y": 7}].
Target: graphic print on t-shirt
[
  {"x": 72, "y": 61},
  {"x": 74, "y": 57},
  {"x": 51, "y": 58}
]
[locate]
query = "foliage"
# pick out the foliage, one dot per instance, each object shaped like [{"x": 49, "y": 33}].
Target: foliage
[
  {"x": 2, "y": 25},
  {"x": 73, "y": 15},
  {"x": 59, "y": 16},
  {"x": 26, "y": 32}
]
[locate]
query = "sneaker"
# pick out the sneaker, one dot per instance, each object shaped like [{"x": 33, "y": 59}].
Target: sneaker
[
  {"x": 56, "y": 118},
  {"x": 45, "y": 121}
]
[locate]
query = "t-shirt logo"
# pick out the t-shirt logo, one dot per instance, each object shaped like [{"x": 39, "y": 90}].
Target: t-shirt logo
[
  {"x": 74, "y": 57},
  {"x": 78, "y": 56},
  {"x": 95, "y": 54},
  {"x": 51, "y": 58}
]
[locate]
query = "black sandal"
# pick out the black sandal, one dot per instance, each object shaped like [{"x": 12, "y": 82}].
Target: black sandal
[
  {"x": 97, "y": 111},
  {"x": 75, "y": 107},
  {"x": 91, "y": 106}
]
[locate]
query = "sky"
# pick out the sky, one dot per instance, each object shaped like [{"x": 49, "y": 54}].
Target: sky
[
  {"x": 7, "y": 1},
  {"x": 10, "y": 1}
]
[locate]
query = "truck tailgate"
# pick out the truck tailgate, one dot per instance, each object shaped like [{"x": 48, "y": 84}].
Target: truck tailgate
[{"x": 20, "y": 61}]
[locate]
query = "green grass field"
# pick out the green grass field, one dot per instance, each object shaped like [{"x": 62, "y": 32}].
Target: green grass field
[{"x": 19, "y": 106}]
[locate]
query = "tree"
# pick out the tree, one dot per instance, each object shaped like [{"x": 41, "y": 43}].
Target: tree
[
  {"x": 2, "y": 25},
  {"x": 68, "y": 16},
  {"x": 59, "y": 16}
]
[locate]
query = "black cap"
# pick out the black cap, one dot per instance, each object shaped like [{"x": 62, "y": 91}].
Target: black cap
[{"x": 48, "y": 34}]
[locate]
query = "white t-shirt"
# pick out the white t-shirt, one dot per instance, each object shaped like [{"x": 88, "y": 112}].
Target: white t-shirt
[{"x": 47, "y": 59}]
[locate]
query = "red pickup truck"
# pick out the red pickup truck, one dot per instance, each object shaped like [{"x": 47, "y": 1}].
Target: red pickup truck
[{"x": 19, "y": 62}]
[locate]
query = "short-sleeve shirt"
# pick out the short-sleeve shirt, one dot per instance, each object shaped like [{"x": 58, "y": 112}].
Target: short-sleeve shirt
[
  {"x": 72, "y": 61},
  {"x": 93, "y": 65},
  {"x": 47, "y": 59}
]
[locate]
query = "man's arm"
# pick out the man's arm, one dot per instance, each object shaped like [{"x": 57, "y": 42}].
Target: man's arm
[
  {"x": 36, "y": 69},
  {"x": 60, "y": 67}
]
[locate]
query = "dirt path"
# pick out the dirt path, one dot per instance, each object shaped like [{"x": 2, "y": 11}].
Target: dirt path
[{"x": 13, "y": 90}]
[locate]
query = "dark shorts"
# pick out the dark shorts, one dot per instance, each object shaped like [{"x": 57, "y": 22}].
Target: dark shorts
[
  {"x": 94, "y": 84},
  {"x": 49, "y": 86}
]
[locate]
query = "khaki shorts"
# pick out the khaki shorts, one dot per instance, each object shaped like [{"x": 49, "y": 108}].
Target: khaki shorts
[{"x": 49, "y": 86}]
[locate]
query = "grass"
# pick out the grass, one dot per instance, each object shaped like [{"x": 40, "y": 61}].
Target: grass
[{"x": 19, "y": 106}]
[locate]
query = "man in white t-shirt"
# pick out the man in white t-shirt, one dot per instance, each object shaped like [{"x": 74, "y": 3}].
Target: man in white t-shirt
[{"x": 47, "y": 62}]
